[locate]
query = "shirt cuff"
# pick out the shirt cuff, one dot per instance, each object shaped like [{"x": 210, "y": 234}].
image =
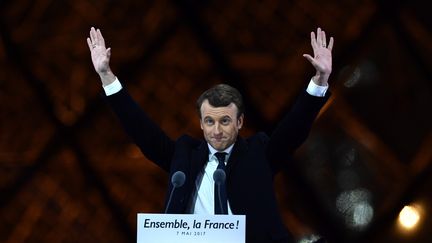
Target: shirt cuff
[
  {"x": 113, "y": 87},
  {"x": 316, "y": 90}
]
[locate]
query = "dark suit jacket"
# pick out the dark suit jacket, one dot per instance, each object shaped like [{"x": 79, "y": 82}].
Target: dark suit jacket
[{"x": 250, "y": 170}]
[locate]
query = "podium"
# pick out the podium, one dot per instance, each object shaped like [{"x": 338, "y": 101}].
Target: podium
[{"x": 190, "y": 228}]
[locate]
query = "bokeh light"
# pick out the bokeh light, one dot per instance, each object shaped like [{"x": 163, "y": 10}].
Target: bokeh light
[
  {"x": 409, "y": 217},
  {"x": 355, "y": 207}
]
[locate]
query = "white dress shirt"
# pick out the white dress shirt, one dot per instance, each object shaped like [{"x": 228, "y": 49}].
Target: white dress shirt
[{"x": 204, "y": 203}]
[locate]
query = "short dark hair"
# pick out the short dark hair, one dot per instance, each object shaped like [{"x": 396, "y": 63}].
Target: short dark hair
[{"x": 221, "y": 95}]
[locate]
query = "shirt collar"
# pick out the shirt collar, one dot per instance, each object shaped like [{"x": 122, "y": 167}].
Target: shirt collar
[{"x": 213, "y": 151}]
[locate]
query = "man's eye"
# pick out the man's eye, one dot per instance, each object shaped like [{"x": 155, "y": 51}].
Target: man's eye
[
  {"x": 209, "y": 122},
  {"x": 225, "y": 121}
]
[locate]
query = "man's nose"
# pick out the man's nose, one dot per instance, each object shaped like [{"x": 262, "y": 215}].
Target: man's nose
[{"x": 217, "y": 128}]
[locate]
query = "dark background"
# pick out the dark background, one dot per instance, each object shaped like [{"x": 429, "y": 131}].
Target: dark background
[{"x": 68, "y": 173}]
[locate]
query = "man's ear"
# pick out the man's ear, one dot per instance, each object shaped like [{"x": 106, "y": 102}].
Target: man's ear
[
  {"x": 201, "y": 125},
  {"x": 240, "y": 121}
]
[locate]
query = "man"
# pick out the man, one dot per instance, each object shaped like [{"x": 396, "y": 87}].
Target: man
[{"x": 249, "y": 164}]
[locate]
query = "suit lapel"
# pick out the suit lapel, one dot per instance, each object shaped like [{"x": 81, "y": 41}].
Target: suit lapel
[
  {"x": 198, "y": 159},
  {"x": 239, "y": 150}
]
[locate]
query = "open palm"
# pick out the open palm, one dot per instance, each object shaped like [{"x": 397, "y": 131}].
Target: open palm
[
  {"x": 100, "y": 55},
  {"x": 322, "y": 60}
]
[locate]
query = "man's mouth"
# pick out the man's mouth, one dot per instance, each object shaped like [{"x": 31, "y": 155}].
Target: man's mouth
[{"x": 218, "y": 139}]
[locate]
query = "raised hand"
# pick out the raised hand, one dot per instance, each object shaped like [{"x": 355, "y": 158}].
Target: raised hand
[
  {"x": 322, "y": 60},
  {"x": 100, "y": 56}
]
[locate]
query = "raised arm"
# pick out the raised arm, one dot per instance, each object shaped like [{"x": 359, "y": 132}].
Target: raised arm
[
  {"x": 146, "y": 134},
  {"x": 294, "y": 128},
  {"x": 100, "y": 56}
]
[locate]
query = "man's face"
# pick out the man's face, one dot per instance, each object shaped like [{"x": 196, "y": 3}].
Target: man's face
[{"x": 220, "y": 125}]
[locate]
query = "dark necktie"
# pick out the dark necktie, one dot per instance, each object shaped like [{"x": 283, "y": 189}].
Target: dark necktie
[{"x": 223, "y": 196}]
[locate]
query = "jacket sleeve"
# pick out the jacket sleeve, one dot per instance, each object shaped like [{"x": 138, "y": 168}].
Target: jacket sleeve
[
  {"x": 294, "y": 128},
  {"x": 148, "y": 136}
]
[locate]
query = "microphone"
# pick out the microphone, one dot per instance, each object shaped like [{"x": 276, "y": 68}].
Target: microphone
[
  {"x": 177, "y": 180},
  {"x": 219, "y": 179}
]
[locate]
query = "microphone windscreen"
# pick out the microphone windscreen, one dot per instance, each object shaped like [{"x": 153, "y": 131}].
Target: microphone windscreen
[
  {"x": 219, "y": 176},
  {"x": 178, "y": 179}
]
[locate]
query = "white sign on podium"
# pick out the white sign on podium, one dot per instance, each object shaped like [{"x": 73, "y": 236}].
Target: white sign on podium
[{"x": 190, "y": 228}]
